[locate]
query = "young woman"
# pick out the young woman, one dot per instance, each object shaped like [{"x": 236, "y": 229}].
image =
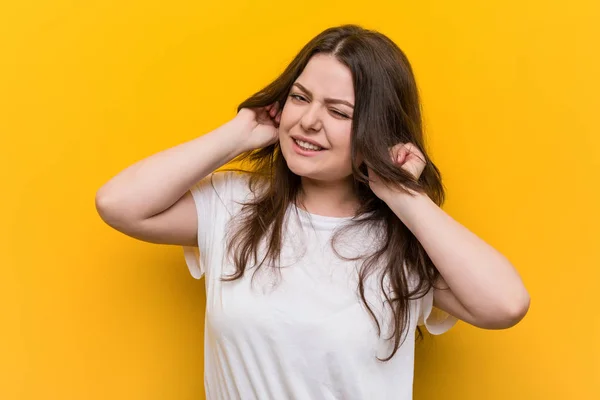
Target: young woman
[{"x": 324, "y": 258}]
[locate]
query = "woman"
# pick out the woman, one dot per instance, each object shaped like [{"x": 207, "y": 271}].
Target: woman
[{"x": 325, "y": 257}]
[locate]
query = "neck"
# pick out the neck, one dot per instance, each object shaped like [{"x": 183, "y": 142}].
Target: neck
[{"x": 328, "y": 198}]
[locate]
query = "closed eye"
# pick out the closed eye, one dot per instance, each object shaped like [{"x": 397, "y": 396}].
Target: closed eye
[{"x": 339, "y": 114}]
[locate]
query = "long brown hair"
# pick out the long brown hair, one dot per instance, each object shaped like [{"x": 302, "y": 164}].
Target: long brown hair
[{"x": 387, "y": 111}]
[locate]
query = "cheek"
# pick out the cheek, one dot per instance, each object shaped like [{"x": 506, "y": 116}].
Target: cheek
[
  {"x": 288, "y": 118},
  {"x": 341, "y": 139},
  {"x": 341, "y": 142}
]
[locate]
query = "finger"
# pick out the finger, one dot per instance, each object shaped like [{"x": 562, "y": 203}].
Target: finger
[
  {"x": 395, "y": 151},
  {"x": 402, "y": 155},
  {"x": 408, "y": 150},
  {"x": 415, "y": 152}
]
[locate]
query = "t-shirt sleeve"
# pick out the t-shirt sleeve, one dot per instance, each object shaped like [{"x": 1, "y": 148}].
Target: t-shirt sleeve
[
  {"x": 217, "y": 197},
  {"x": 435, "y": 320}
]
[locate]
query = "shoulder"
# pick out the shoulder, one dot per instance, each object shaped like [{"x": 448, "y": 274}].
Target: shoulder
[
  {"x": 231, "y": 180},
  {"x": 226, "y": 188},
  {"x": 224, "y": 180}
]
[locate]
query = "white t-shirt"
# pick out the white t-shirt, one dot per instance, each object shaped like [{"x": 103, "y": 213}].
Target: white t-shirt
[{"x": 302, "y": 332}]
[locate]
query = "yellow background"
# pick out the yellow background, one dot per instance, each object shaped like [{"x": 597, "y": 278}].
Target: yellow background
[{"x": 511, "y": 97}]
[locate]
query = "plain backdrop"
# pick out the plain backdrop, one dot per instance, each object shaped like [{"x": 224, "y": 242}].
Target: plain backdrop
[{"x": 510, "y": 96}]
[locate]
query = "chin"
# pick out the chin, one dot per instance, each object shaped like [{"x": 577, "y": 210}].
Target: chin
[
  {"x": 307, "y": 167},
  {"x": 304, "y": 169},
  {"x": 300, "y": 167}
]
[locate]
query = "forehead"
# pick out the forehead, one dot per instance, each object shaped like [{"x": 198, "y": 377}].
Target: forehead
[{"x": 326, "y": 77}]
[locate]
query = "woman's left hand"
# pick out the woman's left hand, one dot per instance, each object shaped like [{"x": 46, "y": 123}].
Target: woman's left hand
[{"x": 404, "y": 155}]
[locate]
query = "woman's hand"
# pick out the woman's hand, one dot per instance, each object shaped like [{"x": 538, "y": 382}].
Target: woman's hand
[
  {"x": 406, "y": 156},
  {"x": 260, "y": 126}
]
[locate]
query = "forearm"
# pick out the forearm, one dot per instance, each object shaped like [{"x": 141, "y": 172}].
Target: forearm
[
  {"x": 481, "y": 278},
  {"x": 155, "y": 183}
]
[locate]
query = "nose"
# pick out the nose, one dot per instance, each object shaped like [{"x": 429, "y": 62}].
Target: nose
[{"x": 310, "y": 120}]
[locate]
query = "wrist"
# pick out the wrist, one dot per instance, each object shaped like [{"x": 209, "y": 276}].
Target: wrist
[
  {"x": 238, "y": 132},
  {"x": 244, "y": 121},
  {"x": 407, "y": 205}
]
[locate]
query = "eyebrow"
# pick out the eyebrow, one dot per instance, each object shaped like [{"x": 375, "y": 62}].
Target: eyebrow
[{"x": 330, "y": 101}]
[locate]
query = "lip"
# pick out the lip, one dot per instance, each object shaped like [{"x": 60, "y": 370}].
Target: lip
[
  {"x": 308, "y": 141},
  {"x": 305, "y": 153}
]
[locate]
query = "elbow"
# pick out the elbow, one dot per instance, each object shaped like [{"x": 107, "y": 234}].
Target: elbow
[
  {"x": 109, "y": 209},
  {"x": 516, "y": 311},
  {"x": 509, "y": 314},
  {"x": 104, "y": 206},
  {"x": 520, "y": 309}
]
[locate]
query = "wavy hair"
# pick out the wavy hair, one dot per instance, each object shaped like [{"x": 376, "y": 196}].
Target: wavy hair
[{"x": 387, "y": 111}]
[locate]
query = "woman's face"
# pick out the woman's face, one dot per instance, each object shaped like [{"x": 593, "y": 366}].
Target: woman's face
[{"x": 318, "y": 112}]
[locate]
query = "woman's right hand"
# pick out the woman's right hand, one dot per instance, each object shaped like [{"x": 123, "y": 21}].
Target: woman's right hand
[
  {"x": 261, "y": 125},
  {"x": 150, "y": 200}
]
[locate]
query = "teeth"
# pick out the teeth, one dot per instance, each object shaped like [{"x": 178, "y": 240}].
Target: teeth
[{"x": 306, "y": 145}]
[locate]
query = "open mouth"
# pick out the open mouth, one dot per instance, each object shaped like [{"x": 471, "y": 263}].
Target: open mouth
[{"x": 307, "y": 146}]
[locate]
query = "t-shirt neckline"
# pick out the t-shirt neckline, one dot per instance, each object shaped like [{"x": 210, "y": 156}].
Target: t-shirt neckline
[{"x": 320, "y": 221}]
